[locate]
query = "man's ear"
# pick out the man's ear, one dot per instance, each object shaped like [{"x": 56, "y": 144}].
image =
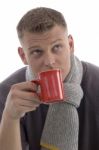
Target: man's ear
[
  {"x": 71, "y": 43},
  {"x": 22, "y": 55}
]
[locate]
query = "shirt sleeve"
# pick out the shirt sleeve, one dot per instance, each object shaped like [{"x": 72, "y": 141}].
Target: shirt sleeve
[{"x": 3, "y": 96}]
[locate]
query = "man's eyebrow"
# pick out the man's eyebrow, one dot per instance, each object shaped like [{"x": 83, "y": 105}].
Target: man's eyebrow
[
  {"x": 33, "y": 47},
  {"x": 56, "y": 41}
]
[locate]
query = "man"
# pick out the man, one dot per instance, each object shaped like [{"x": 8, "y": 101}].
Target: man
[{"x": 27, "y": 123}]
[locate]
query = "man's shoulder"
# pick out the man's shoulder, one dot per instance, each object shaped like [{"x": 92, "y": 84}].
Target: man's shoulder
[
  {"x": 90, "y": 68},
  {"x": 90, "y": 81},
  {"x": 90, "y": 71},
  {"x": 16, "y": 77}
]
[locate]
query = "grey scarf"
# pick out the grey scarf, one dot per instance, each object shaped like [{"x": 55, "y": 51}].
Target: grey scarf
[{"x": 62, "y": 124}]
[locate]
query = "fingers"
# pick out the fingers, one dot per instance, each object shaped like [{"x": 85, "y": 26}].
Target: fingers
[
  {"x": 26, "y": 95},
  {"x": 19, "y": 110},
  {"x": 22, "y": 99},
  {"x": 25, "y": 90},
  {"x": 25, "y": 103},
  {"x": 26, "y": 86}
]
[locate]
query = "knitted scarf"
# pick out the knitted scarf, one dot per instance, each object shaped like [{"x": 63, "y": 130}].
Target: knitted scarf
[{"x": 61, "y": 127}]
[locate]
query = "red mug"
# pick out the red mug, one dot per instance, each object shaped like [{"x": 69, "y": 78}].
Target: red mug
[{"x": 51, "y": 86}]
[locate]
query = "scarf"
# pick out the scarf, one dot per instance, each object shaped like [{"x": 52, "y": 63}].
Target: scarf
[{"x": 61, "y": 127}]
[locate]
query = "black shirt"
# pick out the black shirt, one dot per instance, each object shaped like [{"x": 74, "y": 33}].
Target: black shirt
[{"x": 33, "y": 122}]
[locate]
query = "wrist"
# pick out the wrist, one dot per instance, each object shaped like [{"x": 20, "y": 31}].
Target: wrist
[{"x": 8, "y": 117}]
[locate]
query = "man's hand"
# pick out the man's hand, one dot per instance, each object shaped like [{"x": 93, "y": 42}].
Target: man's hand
[{"x": 21, "y": 99}]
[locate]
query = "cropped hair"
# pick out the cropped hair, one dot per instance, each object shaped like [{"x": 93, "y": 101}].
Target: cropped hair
[{"x": 39, "y": 20}]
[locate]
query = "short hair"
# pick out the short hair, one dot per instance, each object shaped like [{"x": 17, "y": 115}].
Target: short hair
[{"x": 39, "y": 20}]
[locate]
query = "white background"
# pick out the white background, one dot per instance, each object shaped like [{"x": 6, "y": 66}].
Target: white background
[{"x": 82, "y": 17}]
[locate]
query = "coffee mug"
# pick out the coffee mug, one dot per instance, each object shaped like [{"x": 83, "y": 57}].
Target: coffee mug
[{"x": 50, "y": 86}]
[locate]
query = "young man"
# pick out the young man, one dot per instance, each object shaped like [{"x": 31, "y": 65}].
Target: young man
[{"x": 27, "y": 123}]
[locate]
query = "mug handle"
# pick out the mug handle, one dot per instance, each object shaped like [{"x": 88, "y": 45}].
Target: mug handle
[{"x": 37, "y": 82}]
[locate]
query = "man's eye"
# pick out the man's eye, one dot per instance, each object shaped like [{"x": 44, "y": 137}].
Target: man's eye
[
  {"x": 57, "y": 47},
  {"x": 36, "y": 52}
]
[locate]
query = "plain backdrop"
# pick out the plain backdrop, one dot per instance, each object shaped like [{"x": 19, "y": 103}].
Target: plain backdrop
[{"x": 82, "y": 17}]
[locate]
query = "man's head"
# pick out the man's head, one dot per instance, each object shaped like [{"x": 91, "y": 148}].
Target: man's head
[
  {"x": 40, "y": 20},
  {"x": 45, "y": 42}
]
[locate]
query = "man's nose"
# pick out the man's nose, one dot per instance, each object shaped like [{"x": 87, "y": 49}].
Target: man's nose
[{"x": 49, "y": 59}]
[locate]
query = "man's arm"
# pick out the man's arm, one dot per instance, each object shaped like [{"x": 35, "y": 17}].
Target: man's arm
[
  {"x": 20, "y": 100},
  {"x": 10, "y": 138}
]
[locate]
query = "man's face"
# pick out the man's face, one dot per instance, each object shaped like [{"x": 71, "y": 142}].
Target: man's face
[{"x": 48, "y": 50}]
